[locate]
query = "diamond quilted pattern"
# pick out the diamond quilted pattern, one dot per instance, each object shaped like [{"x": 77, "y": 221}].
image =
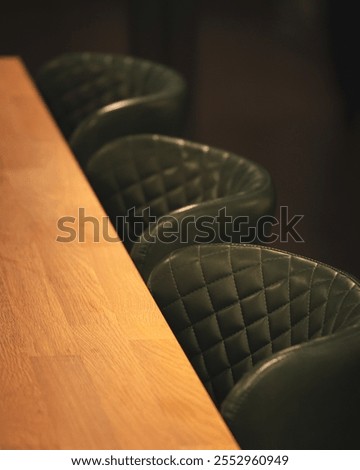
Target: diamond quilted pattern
[
  {"x": 232, "y": 306},
  {"x": 163, "y": 174},
  {"x": 76, "y": 85}
]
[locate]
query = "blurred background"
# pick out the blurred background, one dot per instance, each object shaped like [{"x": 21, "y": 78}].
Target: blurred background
[{"x": 276, "y": 81}]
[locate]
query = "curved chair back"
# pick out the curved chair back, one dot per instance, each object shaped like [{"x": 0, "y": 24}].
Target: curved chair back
[
  {"x": 97, "y": 97},
  {"x": 187, "y": 182},
  {"x": 274, "y": 337}
]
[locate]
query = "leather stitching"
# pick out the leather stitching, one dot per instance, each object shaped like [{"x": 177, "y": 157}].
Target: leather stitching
[
  {"x": 212, "y": 306},
  {"x": 261, "y": 266},
  {"x": 186, "y": 312}
]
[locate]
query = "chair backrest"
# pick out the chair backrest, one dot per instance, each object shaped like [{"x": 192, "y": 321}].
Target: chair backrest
[
  {"x": 165, "y": 174},
  {"x": 98, "y": 97},
  {"x": 233, "y": 306}
]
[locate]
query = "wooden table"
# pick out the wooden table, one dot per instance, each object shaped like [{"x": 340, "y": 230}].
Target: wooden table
[{"x": 86, "y": 358}]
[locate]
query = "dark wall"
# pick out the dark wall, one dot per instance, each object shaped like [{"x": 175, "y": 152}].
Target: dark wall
[
  {"x": 39, "y": 30},
  {"x": 273, "y": 80}
]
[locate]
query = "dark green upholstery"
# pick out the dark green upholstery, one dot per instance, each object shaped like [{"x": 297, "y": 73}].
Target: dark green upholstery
[
  {"x": 274, "y": 337},
  {"x": 96, "y": 98},
  {"x": 180, "y": 179}
]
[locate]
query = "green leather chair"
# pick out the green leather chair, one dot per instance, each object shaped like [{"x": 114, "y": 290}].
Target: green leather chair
[
  {"x": 275, "y": 339},
  {"x": 96, "y": 98},
  {"x": 187, "y": 182}
]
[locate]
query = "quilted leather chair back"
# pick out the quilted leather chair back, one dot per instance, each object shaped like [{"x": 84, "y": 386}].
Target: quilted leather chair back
[
  {"x": 111, "y": 96},
  {"x": 167, "y": 174},
  {"x": 247, "y": 315}
]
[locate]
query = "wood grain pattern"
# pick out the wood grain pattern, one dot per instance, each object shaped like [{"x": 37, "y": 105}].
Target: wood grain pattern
[{"x": 86, "y": 358}]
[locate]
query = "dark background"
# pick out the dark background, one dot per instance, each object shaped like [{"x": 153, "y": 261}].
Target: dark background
[{"x": 274, "y": 80}]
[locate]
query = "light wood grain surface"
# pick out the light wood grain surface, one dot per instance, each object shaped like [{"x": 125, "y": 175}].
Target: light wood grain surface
[{"x": 86, "y": 359}]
